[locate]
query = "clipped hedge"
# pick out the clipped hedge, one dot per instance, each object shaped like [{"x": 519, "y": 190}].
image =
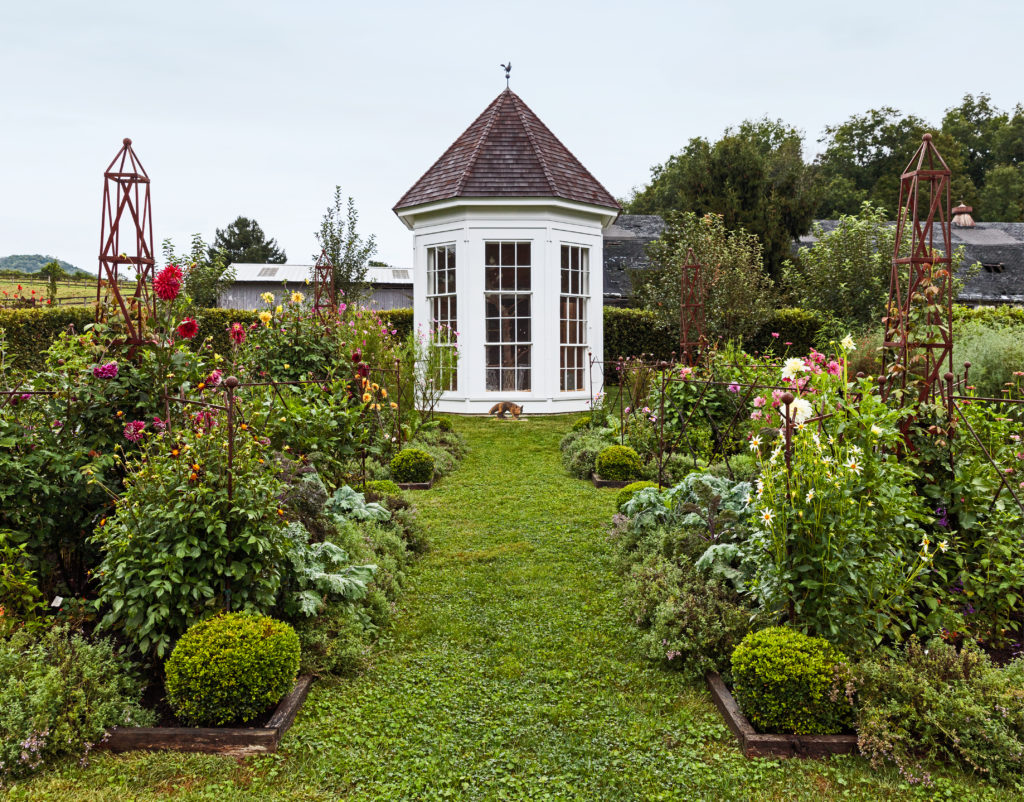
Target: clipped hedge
[
  {"x": 30, "y": 331},
  {"x": 632, "y": 332},
  {"x": 783, "y": 681},
  {"x": 801, "y": 327},
  {"x": 400, "y": 320},
  {"x": 618, "y": 463},
  {"x": 412, "y": 465},
  {"x": 214, "y": 323},
  {"x": 231, "y": 668}
]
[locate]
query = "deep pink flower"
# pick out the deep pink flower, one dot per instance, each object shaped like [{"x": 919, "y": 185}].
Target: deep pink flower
[
  {"x": 188, "y": 328},
  {"x": 357, "y": 355},
  {"x": 775, "y": 334},
  {"x": 237, "y": 333},
  {"x": 734, "y": 388},
  {"x": 834, "y": 368},
  {"x": 159, "y": 425},
  {"x": 167, "y": 283},
  {"x": 213, "y": 380},
  {"x": 133, "y": 430},
  {"x": 107, "y": 371}
]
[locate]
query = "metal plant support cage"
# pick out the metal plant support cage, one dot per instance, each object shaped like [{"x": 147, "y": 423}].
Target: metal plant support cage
[{"x": 126, "y": 197}]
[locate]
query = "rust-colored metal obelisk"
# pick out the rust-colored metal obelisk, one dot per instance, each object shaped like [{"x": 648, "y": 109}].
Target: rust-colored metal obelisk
[
  {"x": 325, "y": 293},
  {"x": 691, "y": 310},
  {"x": 918, "y": 346},
  {"x": 126, "y": 238}
]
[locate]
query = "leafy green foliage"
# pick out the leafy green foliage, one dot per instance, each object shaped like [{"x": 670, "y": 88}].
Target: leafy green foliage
[
  {"x": 59, "y": 695},
  {"x": 412, "y": 465},
  {"x": 800, "y": 327},
  {"x": 995, "y": 352},
  {"x": 20, "y": 598},
  {"x": 207, "y": 274},
  {"x": 347, "y": 503},
  {"x": 633, "y": 332},
  {"x": 936, "y": 705},
  {"x": 384, "y": 488},
  {"x": 319, "y": 572},
  {"x": 754, "y": 178},
  {"x": 618, "y": 463},
  {"x": 786, "y": 682},
  {"x": 629, "y": 491},
  {"x": 737, "y": 293},
  {"x": 345, "y": 247},
  {"x": 243, "y": 241},
  {"x": 845, "y": 274},
  {"x": 579, "y": 455},
  {"x": 231, "y": 668},
  {"x": 178, "y": 547},
  {"x": 688, "y": 622}
]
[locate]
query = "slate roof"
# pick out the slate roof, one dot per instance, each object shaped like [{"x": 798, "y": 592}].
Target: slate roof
[
  {"x": 625, "y": 241},
  {"x": 997, "y": 247},
  {"x": 507, "y": 152}
]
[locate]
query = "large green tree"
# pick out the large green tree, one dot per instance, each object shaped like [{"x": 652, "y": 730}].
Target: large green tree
[
  {"x": 865, "y": 156},
  {"x": 737, "y": 293},
  {"x": 345, "y": 247},
  {"x": 243, "y": 242},
  {"x": 1002, "y": 197},
  {"x": 975, "y": 124},
  {"x": 754, "y": 177}
]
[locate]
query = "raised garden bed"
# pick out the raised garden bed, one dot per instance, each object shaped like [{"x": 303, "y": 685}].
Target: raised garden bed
[
  {"x": 756, "y": 744},
  {"x": 599, "y": 482},
  {"x": 415, "y": 485},
  {"x": 217, "y": 740}
]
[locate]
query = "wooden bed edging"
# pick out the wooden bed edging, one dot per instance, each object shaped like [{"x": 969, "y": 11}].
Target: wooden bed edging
[
  {"x": 415, "y": 485},
  {"x": 599, "y": 482},
  {"x": 755, "y": 744},
  {"x": 218, "y": 740}
]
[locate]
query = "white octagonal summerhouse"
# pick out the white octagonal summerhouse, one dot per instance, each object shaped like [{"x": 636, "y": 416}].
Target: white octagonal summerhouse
[{"x": 507, "y": 231}]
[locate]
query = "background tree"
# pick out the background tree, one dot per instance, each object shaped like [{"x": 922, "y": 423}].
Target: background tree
[
  {"x": 207, "y": 273},
  {"x": 845, "y": 274},
  {"x": 244, "y": 242},
  {"x": 52, "y": 272},
  {"x": 754, "y": 177},
  {"x": 738, "y": 294},
  {"x": 348, "y": 251},
  {"x": 975, "y": 124},
  {"x": 1002, "y": 197}
]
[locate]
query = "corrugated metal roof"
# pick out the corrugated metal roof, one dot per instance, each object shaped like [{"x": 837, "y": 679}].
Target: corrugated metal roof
[
  {"x": 276, "y": 274},
  {"x": 272, "y": 274}
]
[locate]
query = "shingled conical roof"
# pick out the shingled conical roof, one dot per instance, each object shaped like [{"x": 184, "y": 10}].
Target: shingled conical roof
[{"x": 507, "y": 152}]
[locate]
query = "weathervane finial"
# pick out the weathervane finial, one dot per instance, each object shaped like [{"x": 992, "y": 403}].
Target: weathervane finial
[{"x": 508, "y": 70}]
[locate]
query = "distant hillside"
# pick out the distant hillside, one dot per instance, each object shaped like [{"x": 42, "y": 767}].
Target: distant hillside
[{"x": 31, "y": 263}]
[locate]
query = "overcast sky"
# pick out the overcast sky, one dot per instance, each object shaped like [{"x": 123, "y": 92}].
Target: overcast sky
[{"x": 259, "y": 109}]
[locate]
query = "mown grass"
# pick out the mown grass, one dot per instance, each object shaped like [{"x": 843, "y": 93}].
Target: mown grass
[{"x": 510, "y": 674}]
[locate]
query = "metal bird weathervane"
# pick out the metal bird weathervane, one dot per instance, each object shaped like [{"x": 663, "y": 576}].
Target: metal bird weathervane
[{"x": 508, "y": 70}]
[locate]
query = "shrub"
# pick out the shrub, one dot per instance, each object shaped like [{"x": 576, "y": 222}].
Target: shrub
[
  {"x": 412, "y": 465},
  {"x": 400, "y": 320},
  {"x": 178, "y": 546},
  {"x": 785, "y": 682},
  {"x": 445, "y": 424},
  {"x": 582, "y": 422},
  {"x": 994, "y": 351},
  {"x": 383, "y": 488},
  {"x": 231, "y": 668},
  {"x": 580, "y": 457},
  {"x": 444, "y": 460},
  {"x": 935, "y": 704},
  {"x": 334, "y": 642},
  {"x": 743, "y": 466},
  {"x": 632, "y": 332},
  {"x": 618, "y": 463},
  {"x": 58, "y": 696},
  {"x": 629, "y": 491},
  {"x": 801, "y": 327},
  {"x": 690, "y": 624}
]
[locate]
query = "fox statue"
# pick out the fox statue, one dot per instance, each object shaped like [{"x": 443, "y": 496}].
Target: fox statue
[{"x": 499, "y": 409}]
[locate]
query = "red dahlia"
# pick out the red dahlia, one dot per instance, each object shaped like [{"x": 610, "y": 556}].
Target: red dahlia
[
  {"x": 188, "y": 328},
  {"x": 167, "y": 283}
]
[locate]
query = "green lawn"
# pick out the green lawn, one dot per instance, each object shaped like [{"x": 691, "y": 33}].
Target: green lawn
[{"x": 510, "y": 674}]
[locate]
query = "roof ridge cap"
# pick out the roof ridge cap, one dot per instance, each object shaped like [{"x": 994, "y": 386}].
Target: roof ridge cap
[
  {"x": 533, "y": 142},
  {"x": 499, "y": 100}
]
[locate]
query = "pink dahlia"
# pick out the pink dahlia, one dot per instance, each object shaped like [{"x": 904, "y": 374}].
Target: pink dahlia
[
  {"x": 237, "y": 333},
  {"x": 107, "y": 371},
  {"x": 167, "y": 283},
  {"x": 213, "y": 380},
  {"x": 133, "y": 430}
]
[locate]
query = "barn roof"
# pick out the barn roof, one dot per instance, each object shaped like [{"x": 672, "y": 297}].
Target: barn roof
[
  {"x": 507, "y": 152},
  {"x": 291, "y": 273}
]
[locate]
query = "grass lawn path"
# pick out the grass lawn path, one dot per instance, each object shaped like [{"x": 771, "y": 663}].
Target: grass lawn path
[{"x": 511, "y": 673}]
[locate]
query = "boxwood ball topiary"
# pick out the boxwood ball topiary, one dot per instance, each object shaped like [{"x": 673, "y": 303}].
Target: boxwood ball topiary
[
  {"x": 444, "y": 424},
  {"x": 412, "y": 465},
  {"x": 618, "y": 463},
  {"x": 629, "y": 491},
  {"x": 231, "y": 668},
  {"x": 382, "y": 487},
  {"x": 582, "y": 422},
  {"x": 783, "y": 681}
]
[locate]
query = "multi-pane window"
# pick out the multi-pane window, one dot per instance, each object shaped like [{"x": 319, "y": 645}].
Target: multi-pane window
[
  {"x": 507, "y": 311},
  {"x": 575, "y": 292},
  {"x": 443, "y": 311}
]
